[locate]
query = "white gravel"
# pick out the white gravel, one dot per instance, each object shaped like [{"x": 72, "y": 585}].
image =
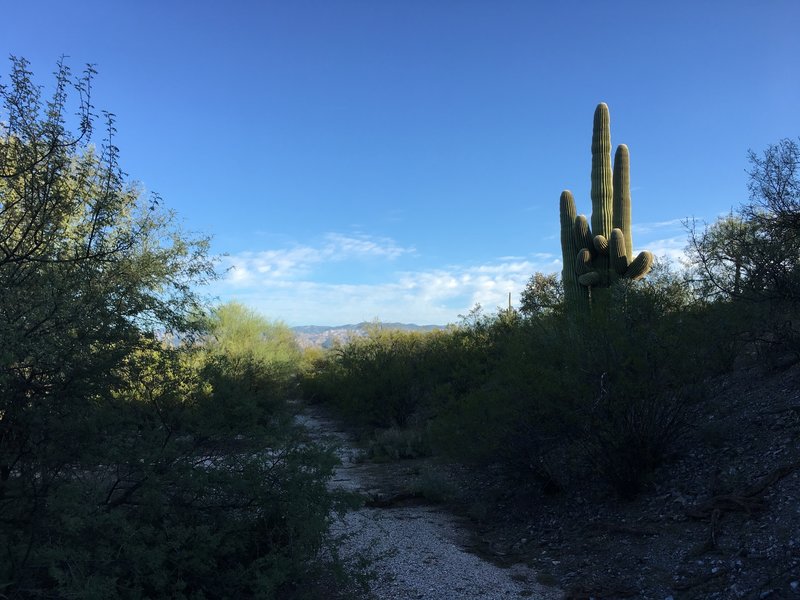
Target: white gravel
[{"x": 418, "y": 551}]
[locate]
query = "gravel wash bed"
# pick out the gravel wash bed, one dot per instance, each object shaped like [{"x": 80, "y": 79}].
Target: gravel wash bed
[{"x": 417, "y": 551}]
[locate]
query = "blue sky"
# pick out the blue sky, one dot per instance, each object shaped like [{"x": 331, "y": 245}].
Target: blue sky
[{"x": 403, "y": 159}]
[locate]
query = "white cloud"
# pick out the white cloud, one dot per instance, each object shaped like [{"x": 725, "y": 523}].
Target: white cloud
[
  {"x": 645, "y": 228},
  {"x": 673, "y": 248},
  {"x": 341, "y": 247},
  {"x": 662, "y": 238},
  {"x": 281, "y": 284},
  {"x": 300, "y": 260}
]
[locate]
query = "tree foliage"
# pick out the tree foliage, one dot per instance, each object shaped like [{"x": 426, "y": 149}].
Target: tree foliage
[
  {"x": 543, "y": 295},
  {"x": 86, "y": 266},
  {"x": 755, "y": 252},
  {"x": 238, "y": 331},
  {"x": 133, "y": 463}
]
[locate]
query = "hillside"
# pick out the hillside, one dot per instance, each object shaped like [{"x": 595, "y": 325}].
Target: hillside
[{"x": 718, "y": 520}]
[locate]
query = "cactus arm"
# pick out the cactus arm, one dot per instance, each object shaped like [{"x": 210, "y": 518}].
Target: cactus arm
[
  {"x": 583, "y": 269},
  {"x": 616, "y": 251},
  {"x": 583, "y": 262},
  {"x": 640, "y": 266},
  {"x": 569, "y": 248},
  {"x": 622, "y": 195},
  {"x": 583, "y": 235},
  {"x": 600, "y": 244},
  {"x": 589, "y": 279}
]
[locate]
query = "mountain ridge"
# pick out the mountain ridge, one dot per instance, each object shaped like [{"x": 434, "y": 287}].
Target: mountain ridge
[
  {"x": 365, "y": 325},
  {"x": 324, "y": 336}
]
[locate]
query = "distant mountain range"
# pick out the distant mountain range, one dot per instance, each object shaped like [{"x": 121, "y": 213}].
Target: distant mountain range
[{"x": 324, "y": 336}]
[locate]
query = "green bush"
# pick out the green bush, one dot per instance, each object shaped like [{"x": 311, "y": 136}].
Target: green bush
[
  {"x": 545, "y": 398},
  {"x": 384, "y": 378},
  {"x": 132, "y": 467},
  {"x": 174, "y": 492},
  {"x": 396, "y": 443}
]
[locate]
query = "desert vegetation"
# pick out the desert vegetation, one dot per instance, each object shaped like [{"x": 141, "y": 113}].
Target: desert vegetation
[
  {"x": 600, "y": 377},
  {"x": 147, "y": 440},
  {"x": 146, "y": 445}
]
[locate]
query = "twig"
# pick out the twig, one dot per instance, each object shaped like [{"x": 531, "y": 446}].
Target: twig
[{"x": 748, "y": 500}]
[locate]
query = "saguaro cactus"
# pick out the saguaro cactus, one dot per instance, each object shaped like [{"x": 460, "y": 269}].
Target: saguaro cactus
[{"x": 595, "y": 258}]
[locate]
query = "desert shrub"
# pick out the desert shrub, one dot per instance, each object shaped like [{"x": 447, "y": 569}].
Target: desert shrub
[
  {"x": 133, "y": 463},
  {"x": 171, "y": 495},
  {"x": 397, "y": 443},
  {"x": 384, "y": 378},
  {"x": 434, "y": 485},
  {"x": 523, "y": 394},
  {"x": 637, "y": 362},
  {"x": 515, "y": 416},
  {"x": 627, "y": 433},
  {"x": 566, "y": 395}
]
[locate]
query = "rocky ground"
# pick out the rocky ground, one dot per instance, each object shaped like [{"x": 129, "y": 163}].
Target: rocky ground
[{"x": 720, "y": 520}]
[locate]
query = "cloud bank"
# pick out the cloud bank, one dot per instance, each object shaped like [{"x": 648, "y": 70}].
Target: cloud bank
[
  {"x": 343, "y": 279},
  {"x": 290, "y": 283}
]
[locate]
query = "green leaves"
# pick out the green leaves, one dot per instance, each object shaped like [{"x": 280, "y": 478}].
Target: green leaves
[
  {"x": 241, "y": 332},
  {"x": 133, "y": 463}
]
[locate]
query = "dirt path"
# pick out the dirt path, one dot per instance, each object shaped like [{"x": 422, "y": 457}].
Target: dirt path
[{"x": 420, "y": 551}]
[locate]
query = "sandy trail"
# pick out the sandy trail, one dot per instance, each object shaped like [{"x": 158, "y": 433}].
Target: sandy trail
[{"x": 420, "y": 551}]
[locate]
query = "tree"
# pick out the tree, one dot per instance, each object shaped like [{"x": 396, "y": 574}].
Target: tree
[
  {"x": 755, "y": 252},
  {"x": 775, "y": 187},
  {"x": 238, "y": 330},
  {"x": 86, "y": 265},
  {"x": 250, "y": 359},
  {"x": 774, "y": 209},
  {"x": 132, "y": 464},
  {"x": 724, "y": 257},
  {"x": 543, "y": 294}
]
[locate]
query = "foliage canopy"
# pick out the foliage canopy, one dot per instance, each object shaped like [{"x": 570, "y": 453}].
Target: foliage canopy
[{"x": 133, "y": 463}]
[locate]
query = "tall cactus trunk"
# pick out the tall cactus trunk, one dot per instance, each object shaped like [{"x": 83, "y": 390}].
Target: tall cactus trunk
[
  {"x": 602, "y": 182},
  {"x": 602, "y": 189}
]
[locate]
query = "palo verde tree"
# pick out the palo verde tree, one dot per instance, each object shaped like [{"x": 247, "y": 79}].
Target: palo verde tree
[
  {"x": 129, "y": 467},
  {"x": 543, "y": 295},
  {"x": 89, "y": 272},
  {"x": 87, "y": 266}
]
